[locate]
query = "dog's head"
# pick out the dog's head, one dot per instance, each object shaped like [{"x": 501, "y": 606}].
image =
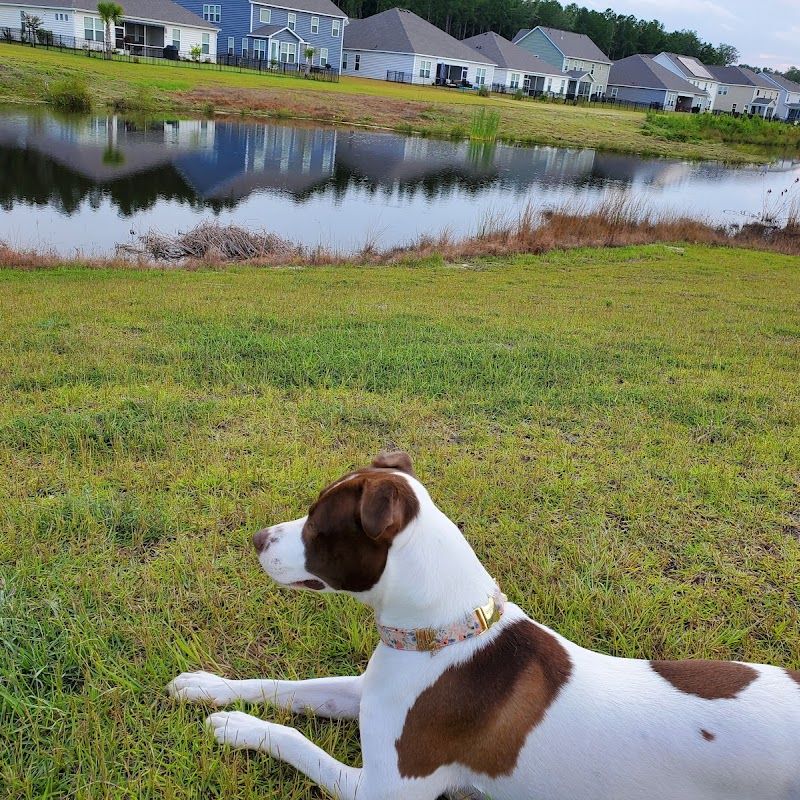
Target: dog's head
[{"x": 343, "y": 543}]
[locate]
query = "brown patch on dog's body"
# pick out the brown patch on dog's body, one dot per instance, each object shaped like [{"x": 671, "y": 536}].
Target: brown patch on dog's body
[
  {"x": 707, "y": 735},
  {"x": 711, "y": 680},
  {"x": 352, "y": 524},
  {"x": 794, "y": 674},
  {"x": 479, "y": 713}
]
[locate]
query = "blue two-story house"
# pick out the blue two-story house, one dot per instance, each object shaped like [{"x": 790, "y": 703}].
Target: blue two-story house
[{"x": 276, "y": 31}]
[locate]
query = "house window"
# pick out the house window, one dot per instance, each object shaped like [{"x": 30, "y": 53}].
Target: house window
[
  {"x": 176, "y": 38},
  {"x": 292, "y": 24},
  {"x": 314, "y": 24},
  {"x": 323, "y": 56},
  {"x": 265, "y": 16},
  {"x": 722, "y": 90},
  {"x": 212, "y": 13},
  {"x": 259, "y": 49},
  {"x": 670, "y": 99},
  {"x": 614, "y": 90},
  {"x": 93, "y": 30},
  {"x": 514, "y": 80},
  {"x": 288, "y": 52},
  {"x": 548, "y": 84},
  {"x": 205, "y": 45},
  {"x": 231, "y": 45},
  {"x": 480, "y": 76},
  {"x": 358, "y": 63},
  {"x": 274, "y": 51},
  {"x": 244, "y": 48},
  {"x": 336, "y": 28},
  {"x": 425, "y": 69},
  {"x": 344, "y": 60}
]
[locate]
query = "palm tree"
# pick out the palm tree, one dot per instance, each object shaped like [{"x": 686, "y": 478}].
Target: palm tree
[
  {"x": 110, "y": 12},
  {"x": 309, "y": 54}
]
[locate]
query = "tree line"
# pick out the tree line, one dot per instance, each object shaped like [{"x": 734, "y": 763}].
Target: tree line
[{"x": 617, "y": 35}]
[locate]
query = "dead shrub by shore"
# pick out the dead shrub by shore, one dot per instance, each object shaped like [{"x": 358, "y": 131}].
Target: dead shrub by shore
[{"x": 616, "y": 221}]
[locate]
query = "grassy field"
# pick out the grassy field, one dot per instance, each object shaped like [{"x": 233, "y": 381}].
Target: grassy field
[
  {"x": 617, "y": 431},
  {"x": 28, "y": 73}
]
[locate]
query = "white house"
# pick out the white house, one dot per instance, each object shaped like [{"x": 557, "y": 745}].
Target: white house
[
  {"x": 788, "y": 107},
  {"x": 693, "y": 70},
  {"x": 398, "y": 45},
  {"x": 518, "y": 69},
  {"x": 147, "y": 26}
]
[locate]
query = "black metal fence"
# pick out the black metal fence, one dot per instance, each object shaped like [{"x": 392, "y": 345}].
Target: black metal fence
[
  {"x": 142, "y": 54},
  {"x": 576, "y": 100},
  {"x": 399, "y": 77}
]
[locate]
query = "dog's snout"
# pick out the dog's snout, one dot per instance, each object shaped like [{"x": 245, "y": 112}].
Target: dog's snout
[{"x": 261, "y": 540}]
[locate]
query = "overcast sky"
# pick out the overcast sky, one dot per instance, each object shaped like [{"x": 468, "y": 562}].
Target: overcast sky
[{"x": 765, "y": 32}]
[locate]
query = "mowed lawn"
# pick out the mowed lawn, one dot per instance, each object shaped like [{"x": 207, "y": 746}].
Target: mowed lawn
[{"x": 616, "y": 431}]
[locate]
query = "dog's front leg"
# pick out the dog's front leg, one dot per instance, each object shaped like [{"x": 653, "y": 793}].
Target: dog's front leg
[
  {"x": 335, "y": 698},
  {"x": 244, "y": 731}
]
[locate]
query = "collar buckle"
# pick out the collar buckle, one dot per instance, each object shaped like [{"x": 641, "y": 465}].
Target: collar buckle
[{"x": 488, "y": 614}]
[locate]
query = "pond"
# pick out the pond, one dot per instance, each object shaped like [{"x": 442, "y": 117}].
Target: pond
[{"x": 83, "y": 184}]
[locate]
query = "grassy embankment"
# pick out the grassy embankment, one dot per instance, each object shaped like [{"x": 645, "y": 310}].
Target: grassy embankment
[
  {"x": 28, "y": 73},
  {"x": 616, "y": 430}
]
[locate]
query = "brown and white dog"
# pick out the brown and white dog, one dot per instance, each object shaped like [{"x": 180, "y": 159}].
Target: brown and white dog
[{"x": 488, "y": 700}]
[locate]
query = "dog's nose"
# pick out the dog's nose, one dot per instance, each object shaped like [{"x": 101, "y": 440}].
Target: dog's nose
[{"x": 261, "y": 539}]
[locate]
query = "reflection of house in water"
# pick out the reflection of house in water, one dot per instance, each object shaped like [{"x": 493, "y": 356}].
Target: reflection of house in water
[
  {"x": 247, "y": 158},
  {"x": 437, "y": 167}
]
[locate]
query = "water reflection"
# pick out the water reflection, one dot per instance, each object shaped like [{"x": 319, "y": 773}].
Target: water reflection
[{"x": 97, "y": 172}]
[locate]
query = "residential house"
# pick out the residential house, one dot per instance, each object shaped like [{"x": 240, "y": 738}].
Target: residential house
[
  {"x": 575, "y": 54},
  {"x": 398, "y": 45},
  {"x": 743, "y": 91},
  {"x": 694, "y": 71},
  {"x": 788, "y": 105},
  {"x": 641, "y": 79},
  {"x": 518, "y": 69},
  {"x": 276, "y": 31},
  {"x": 146, "y": 28}
]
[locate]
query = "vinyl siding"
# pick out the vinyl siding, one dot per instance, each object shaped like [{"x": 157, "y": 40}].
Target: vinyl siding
[
  {"x": 376, "y": 65},
  {"x": 538, "y": 44},
  {"x": 234, "y": 20},
  {"x": 635, "y": 94},
  {"x": 10, "y": 17}
]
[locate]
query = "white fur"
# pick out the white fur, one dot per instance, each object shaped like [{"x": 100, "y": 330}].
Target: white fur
[{"x": 616, "y": 731}]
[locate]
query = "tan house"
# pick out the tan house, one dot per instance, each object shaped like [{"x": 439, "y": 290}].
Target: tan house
[{"x": 745, "y": 92}]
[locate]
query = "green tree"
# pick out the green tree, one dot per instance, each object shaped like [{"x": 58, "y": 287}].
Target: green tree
[
  {"x": 110, "y": 13},
  {"x": 30, "y": 27},
  {"x": 792, "y": 74},
  {"x": 308, "y": 52}
]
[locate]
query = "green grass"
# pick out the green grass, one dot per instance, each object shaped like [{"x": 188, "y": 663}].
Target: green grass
[
  {"x": 615, "y": 430},
  {"x": 175, "y": 88}
]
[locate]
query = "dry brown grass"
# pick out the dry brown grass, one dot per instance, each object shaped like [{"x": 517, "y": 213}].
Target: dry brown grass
[{"x": 617, "y": 221}]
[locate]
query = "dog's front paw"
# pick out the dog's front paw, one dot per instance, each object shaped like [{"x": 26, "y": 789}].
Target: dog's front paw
[
  {"x": 243, "y": 731},
  {"x": 202, "y": 687}
]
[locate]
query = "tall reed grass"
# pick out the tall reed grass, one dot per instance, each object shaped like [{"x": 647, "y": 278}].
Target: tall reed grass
[{"x": 485, "y": 125}]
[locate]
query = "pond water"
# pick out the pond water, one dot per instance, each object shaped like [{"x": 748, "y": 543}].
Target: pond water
[{"x": 87, "y": 183}]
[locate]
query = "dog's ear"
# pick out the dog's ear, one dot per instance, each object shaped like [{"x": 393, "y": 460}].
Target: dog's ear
[
  {"x": 399, "y": 460},
  {"x": 388, "y": 504}
]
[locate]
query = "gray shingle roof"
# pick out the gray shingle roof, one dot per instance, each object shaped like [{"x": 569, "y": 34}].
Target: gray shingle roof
[
  {"x": 784, "y": 83},
  {"x": 739, "y": 76},
  {"x": 520, "y": 33},
  {"x": 572, "y": 45},
  {"x": 312, "y": 6},
  {"x": 401, "y": 31},
  {"x": 150, "y": 10},
  {"x": 642, "y": 72},
  {"x": 266, "y": 31},
  {"x": 508, "y": 56}
]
